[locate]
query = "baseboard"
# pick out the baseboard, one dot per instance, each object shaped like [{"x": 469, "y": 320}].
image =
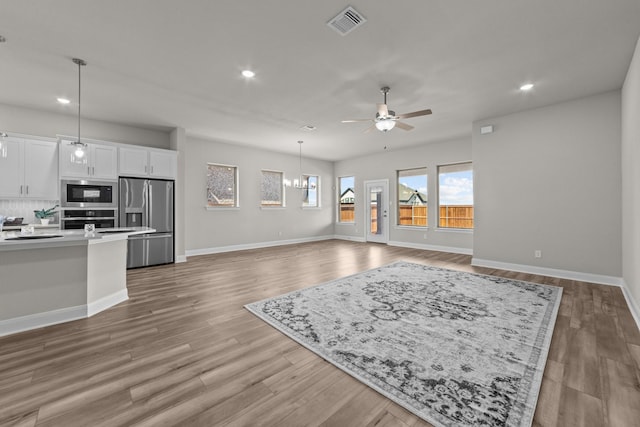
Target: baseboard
[
  {"x": 40, "y": 320},
  {"x": 551, "y": 272},
  {"x": 106, "y": 302},
  {"x": 633, "y": 307},
  {"x": 349, "y": 238},
  {"x": 258, "y": 245},
  {"x": 451, "y": 249},
  {"x": 181, "y": 258}
]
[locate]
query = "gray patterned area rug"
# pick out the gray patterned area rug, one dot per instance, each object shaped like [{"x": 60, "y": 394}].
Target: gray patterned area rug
[{"x": 454, "y": 348}]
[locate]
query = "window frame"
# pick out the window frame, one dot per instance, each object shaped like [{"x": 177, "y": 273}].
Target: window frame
[
  {"x": 339, "y": 197},
  {"x": 282, "y": 190},
  {"x": 236, "y": 192},
  {"x": 438, "y": 206},
  {"x": 426, "y": 202},
  {"x": 305, "y": 178}
]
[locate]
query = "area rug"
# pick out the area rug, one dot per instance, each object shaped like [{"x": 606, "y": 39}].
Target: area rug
[{"x": 454, "y": 348}]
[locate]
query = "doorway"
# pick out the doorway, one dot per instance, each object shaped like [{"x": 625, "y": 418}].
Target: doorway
[{"x": 377, "y": 207}]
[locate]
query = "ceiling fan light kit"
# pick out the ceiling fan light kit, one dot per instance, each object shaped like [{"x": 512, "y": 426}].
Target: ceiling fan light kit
[{"x": 386, "y": 119}]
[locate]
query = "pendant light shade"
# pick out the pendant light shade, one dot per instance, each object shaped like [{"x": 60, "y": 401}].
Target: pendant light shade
[{"x": 79, "y": 155}]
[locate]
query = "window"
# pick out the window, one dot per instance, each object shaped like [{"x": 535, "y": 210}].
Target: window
[
  {"x": 455, "y": 196},
  {"x": 412, "y": 197},
  {"x": 347, "y": 199},
  {"x": 222, "y": 185},
  {"x": 311, "y": 184},
  {"x": 272, "y": 189}
]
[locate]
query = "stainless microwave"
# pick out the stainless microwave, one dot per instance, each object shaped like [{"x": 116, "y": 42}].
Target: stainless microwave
[{"x": 88, "y": 194}]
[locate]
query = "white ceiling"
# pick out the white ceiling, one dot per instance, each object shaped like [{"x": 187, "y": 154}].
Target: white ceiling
[{"x": 168, "y": 63}]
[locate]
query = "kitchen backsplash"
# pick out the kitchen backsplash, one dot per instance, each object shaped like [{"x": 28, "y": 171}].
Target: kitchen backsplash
[{"x": 24, "y": 208}]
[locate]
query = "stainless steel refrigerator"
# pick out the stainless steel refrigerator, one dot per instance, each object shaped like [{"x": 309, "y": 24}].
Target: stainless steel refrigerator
[{"x": 147, "y": 203}]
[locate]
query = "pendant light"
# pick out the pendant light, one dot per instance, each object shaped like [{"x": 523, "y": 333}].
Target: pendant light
[
  {"x": 300, "y": 183},
  {"x": 79, "y": 154},
  {"x": 3, "y": 145}
]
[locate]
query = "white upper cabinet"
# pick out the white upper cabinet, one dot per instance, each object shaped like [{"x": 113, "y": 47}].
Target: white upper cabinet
[
  {"x": 155, "y": 163},
  {"x": 163, "y": 164},
  {"x": 102, "y": 162},
  {"x": 30, "y": 169}
]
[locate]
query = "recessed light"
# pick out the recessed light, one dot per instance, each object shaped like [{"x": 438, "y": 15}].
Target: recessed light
[
  {"x": 63, "y": 101},
  {"x": 526, "y": 87},
  {"x": 248, "y": 73}
]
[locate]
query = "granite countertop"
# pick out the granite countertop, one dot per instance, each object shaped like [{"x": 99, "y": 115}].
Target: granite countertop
[{"x": 47, "y": 238}]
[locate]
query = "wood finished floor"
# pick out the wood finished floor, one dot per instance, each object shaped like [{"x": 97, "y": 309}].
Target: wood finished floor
[{"x": 183, "y": 351}]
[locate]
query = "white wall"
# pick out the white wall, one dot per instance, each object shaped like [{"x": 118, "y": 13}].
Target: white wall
[
  {"x": 43, "y": 123},
  {"x": 631, "y": 179},
  {"x": 209, "y": 231},
  {"x": 549, "y": 179},
  {"x": 384, "y": 165}
]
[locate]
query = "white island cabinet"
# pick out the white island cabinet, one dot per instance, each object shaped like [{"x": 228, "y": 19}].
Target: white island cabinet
[
  {"x": 30, "y": 169},
  {"x": 102, "y": 162},
  {"x": 65, "y": 275}
]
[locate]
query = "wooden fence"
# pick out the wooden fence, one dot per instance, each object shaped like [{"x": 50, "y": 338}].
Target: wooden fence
[{"x": 451, "y": 216}]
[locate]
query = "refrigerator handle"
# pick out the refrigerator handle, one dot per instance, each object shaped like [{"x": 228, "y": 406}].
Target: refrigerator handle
[
  {"x": 149, "y": 204},
  {"x": 145, "y": 204}
]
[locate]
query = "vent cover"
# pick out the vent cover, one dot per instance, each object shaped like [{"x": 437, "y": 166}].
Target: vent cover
[{"x": 347, "y": 21}]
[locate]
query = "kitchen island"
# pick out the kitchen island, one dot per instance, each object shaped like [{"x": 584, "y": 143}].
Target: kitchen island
[{"x": 54, "y": 276}]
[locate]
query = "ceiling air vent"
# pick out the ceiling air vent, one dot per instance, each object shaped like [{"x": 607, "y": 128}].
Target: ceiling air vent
[{"x": 347, "y": 21}]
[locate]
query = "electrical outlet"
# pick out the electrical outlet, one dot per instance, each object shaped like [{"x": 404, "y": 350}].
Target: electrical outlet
[
  {"x": 279, "y": 233},
  {"x": 537, "y": 253},
  {"x": 424, "y": 236}
]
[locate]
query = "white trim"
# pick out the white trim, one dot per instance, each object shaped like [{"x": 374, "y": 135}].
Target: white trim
[
  {"x": 359, "y": 239},
  {"x": 181, "y": 258},
  {"x": 258, "y": 245},
  {"x": 40, "y": 320},
  {"x": 439, "y": 248},
  {"x": 222, "y": 208},
  {"x": 552, "y": 272},
  {"x": 103, "y": 303},
  {"x": 633, "y": 307}
]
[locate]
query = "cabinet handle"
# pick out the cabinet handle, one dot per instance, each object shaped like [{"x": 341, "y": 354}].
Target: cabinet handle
[
  {"x": 27, "y": 189},
  {"x": 151, "y": 168},
  {"x": 21, "y": 189},
  {"x": 88, "y": 170},
  {"x": 93, "y": 170}
]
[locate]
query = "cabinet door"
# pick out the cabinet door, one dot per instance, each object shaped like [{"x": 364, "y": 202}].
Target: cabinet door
[
  {"x": 133, "y": 162},
  {"x": 69, "y": 168},
  {"x": 40, "y": 170},
  {"x": 104, "y": 161},
  {"x": 163, "y": 164},
  {"x": 11, "y": 178}
]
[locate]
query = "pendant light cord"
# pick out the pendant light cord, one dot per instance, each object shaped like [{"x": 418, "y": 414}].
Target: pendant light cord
[{"x": 80, "y": 63}]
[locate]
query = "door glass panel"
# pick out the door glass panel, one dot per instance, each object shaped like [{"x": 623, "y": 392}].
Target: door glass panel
[{"x": 376, "y": 209}]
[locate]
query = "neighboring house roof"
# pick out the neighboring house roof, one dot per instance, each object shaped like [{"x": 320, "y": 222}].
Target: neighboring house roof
[
  {"x": 409, "y": 196},
  {"x": 347, "y": 196}
]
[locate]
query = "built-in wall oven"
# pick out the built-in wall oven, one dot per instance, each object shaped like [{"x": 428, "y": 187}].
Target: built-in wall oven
[
  {"x": 88, "y": 202},
  {"x": 75, "y": 219}
]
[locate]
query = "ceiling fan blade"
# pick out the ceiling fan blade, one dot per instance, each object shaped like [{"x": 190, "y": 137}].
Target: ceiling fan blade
[
  {"x": 369, "y": 129},
  {"x": 383, "y": 111},
  {"x": 402, "y": 125},
  {"x": 414, "y": 114},
  {"x": 356, "y": 120}
]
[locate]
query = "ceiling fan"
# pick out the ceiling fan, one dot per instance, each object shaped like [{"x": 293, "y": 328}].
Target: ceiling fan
[{"x": 386, "y": 119}]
